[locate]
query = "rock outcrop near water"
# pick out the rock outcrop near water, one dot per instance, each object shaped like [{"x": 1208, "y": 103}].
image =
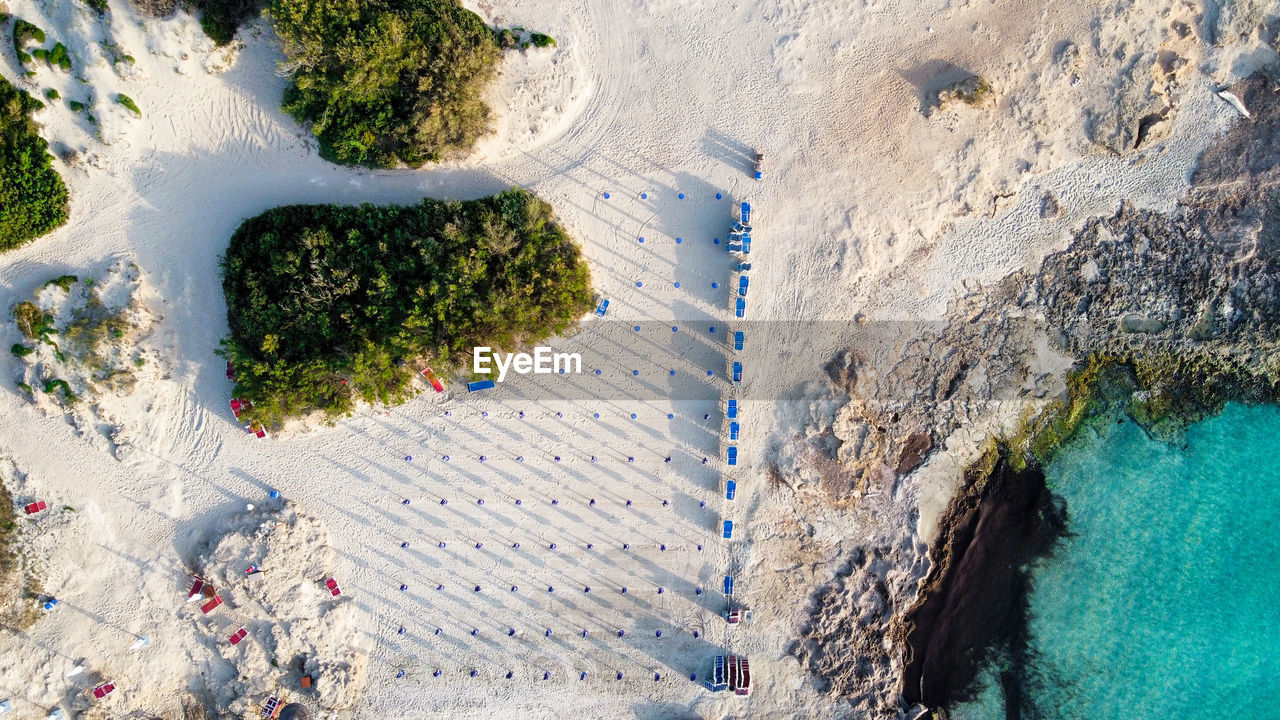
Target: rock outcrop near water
[{"x": 1183, "y": 307}]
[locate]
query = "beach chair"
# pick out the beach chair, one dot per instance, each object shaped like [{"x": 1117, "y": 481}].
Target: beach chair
[
  {"x": 434, "y": 380},
  {"x": 740, "y": 308},
  {"x": 759, "y": 166},
  {"x": 197, "y": 589},
  {"x": 731, "y": 409},
  {"x": 742, "y": 285},
  {"x": 35, "y": 507},
  {"x": 237, "y": 407},
  {"x": 733, "y": 673},
  {"x": 231, "y": 371},
  {"x": 332, "y": 585},
  {"x": 731, "y": 455},
  {"x": 271, "y": 708},
  {"x": 739, "y": 338},
  {"x": 744, "y": 677},
  {"x": 479, "y": 385},
  {"x": 745, "y": 213},
  {"x": 730, "y": 490},
  {"x": 734, "y": 431},
  {"x": 732, "y": 615},
  {"x": 602, "y": 308},
  {"x": 728, "y": 585},
  {"x": 103, "y": 690},
  {"x": 746, "y": 243},
  {"x": 737, "y": 373},
  {"x": 208, "y": 607},
  {"x": 728, "y": 529},
  {"x": 717, "y": 682},
  {"x": 238, "y": 635},
  {"x": 260, "y": 432}
]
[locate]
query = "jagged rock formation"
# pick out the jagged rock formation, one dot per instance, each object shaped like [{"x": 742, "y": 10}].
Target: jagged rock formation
[{"x": 1186, "y": 303}]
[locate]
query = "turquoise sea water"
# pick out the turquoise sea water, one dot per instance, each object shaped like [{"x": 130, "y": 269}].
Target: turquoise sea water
[{"x": 1166, "y": 602}]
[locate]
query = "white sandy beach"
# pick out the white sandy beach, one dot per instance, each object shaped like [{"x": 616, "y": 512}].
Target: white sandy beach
[{"x": 868, "y": 206}]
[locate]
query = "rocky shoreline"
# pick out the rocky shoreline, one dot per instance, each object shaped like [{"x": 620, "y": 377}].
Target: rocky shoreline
[
  {"x": 1160, "y": 334},
  {"x": 1162, "y": 317}
]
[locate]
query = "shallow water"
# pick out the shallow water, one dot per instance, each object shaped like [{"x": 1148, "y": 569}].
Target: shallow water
[{"x": 1166, "y": 601}]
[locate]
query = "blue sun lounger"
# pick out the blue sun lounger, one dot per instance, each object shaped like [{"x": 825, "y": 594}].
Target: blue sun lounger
[
  {"x": 739, "y": 337},
  {"x": 740, "y": 308},
  {"x": 733, "y": 431},
  {"x": 731, "y": 455},
  {"x": 745, "y": 211},
  {"x": 728, "y": 585},
  {"x": 730, "y": 489},
  {"x": 717, "y": 683},
  {"x": 728, "y": 529},
  {"x": 731, "y": 409},
  {"x": 480, "y": 385},
  {"x": 737, "y": 373},
  {"x": 742, "y": 285},
  {"x": 602, "y": 308}
]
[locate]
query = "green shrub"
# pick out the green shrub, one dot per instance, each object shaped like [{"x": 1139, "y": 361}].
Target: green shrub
[
  {"x": 93, "y": 120},
  {"x": 387, "y": 82},
  {"x": 51, "y": 94},
  {"x": 76, "y": 105},
  {"x": 33, "y": 198},
  {"x": 40, "y": 54},
  {"x": 20, "y": 350},
  {"x": 327, "y": 304},
  {"x": 506, "y": 39},
  {"x": 58, "y": 56},
  {"x": 68, "y": 397},
  {"x": 128, "y": 102},
  {"x": 99, "y": 5},
  {"x": 540, "y": 40},
  {"x": 32, "y": 322},
  {"x": 24, "y": 32},
  {"x": 221, "y": 18},
  {"x": 64, "y": 282},
  {"x": 23, "y": 59}
]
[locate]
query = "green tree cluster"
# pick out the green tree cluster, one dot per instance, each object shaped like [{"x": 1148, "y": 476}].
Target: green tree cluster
[
  {"x": 385, "y": 82},
  {"x": 328, "y": 304},
  {"x": 33, "y": 199}
]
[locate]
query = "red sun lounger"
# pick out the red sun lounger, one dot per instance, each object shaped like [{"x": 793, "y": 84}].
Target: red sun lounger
[
  {"x": 231, "y": 371},
  {"x": 196, "y": 587},
  {"x": 209, "y": 606},
  {"x": 333, "y": 587},
  {"x": 35, "y": 507},
  {"x": 434, "y": 380},
  {"x": 238, "y": 635},
  {"x": 103, "y": 690},
  {"x": 260, "y": 433}
]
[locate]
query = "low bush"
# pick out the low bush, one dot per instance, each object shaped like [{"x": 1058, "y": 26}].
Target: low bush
[
  {"x": 384, "y": 83},
  {"x": 128, "y": 102},
  {"x": 58, "y": 56},
  {"x": 221, "y": 18},
  {"x": 51, "y": 94},
  {"x": 540, "y": 40},
  {"x": 33, "y": 198},
  {"x": 76, "y": 105},
  {"x": 328, "y": 305},
  {"x": 20, "y": 350},
  {"x": 32, "y": 322}
]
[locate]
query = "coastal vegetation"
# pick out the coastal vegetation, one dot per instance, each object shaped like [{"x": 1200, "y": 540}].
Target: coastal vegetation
[
  {"x": 328, "y": 305},
  {"x": 386, "y": 83},
  {"x": 33, "y": 198},
  {"x": 74, "y": 342},
  {"x": 19, "y": 591},
  {"x": 128, "y": 103}
]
